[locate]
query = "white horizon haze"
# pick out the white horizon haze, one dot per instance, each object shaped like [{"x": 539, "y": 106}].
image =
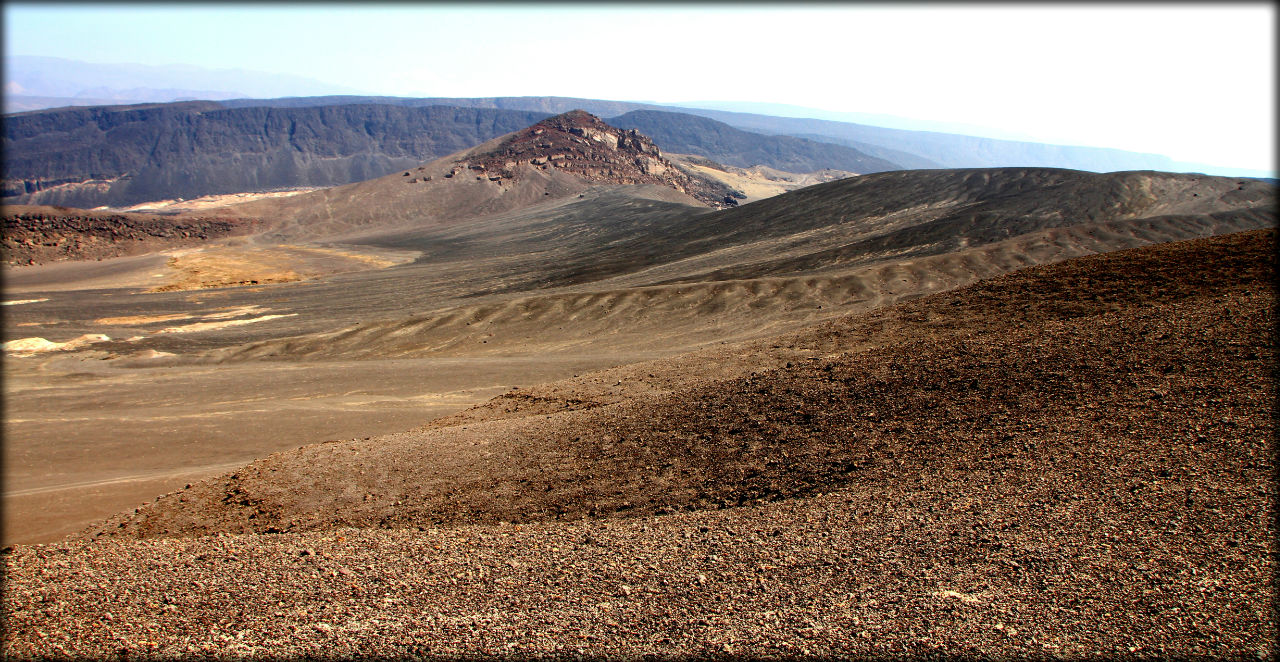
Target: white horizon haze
[{"x": 1192, "y": 82}]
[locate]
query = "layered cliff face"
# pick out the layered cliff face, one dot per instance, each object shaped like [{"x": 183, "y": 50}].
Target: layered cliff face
[
  {"x": 125, "y": 155},
  {"x": 581, "y": 144}
]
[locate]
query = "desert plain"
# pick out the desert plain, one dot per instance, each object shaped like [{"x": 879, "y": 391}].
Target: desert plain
[{"x": 577, "y": 411}]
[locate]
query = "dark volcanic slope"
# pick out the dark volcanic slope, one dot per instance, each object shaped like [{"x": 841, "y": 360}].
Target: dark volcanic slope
[
  {"x": 1072, "y": 461},
  {"x": 122, "y": 155},
  {"x": 853, "y": 222},
  {"x": 905, "y": 214},
  {"x": 690, "y": 134},
  {"x": 850, "y": 223},
  {"x": 37, "y": 234},
  {"x": 661, "y": 270},
  {"x": 612, "y": 267}
]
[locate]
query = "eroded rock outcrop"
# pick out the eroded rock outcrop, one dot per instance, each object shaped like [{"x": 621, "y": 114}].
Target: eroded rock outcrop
[
  {"x": 38, "y": 234},
  {"x": 582, "y": 144}
]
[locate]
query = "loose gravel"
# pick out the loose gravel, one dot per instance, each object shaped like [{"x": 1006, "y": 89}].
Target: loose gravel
[{"x": 1076, "y": 461}]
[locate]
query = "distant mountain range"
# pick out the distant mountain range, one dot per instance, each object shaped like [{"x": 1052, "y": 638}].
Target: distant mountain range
[
  {"x": 123, "y": 155},
  {"x": 911, "y": 149},
  {"x": 35, "y": 82},
  {"x": 89, "y": 157},
  {"x": 690, "y": 134},
  {"x": 872, "y": 119}
]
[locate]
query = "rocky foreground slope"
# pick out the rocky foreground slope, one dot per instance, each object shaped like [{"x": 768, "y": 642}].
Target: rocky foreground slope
[{"x": 1071, "y": 460}]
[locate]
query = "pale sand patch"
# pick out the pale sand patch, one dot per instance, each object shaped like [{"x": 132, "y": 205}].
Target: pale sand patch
[
  {"x": 131, "y": 320},
  {"x": 24, "y": 346},
  {"x": 379, "y": 261},
  {"x": 232, "y": 266},
  {"x": 967, "y": 598},
  {"x": 203, "y": 271},
  {"x": 210, "y": 326},
  {"x": 152, "y": 353},
  {"x": 21, "y": 301},
  {"x": 142, "y": 319},
  {"x": 208, "y": 201},
  {"x": 759, "y": 182},
  {"x": 234, "y": 311},
  {"x": 755, "y": 189}
]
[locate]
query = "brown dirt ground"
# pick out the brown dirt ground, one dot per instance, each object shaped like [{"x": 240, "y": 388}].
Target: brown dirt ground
[
  {"x": 1073, "y": 460},
  {"x": 707, "y": 432},
  {"x": 578, "y": 292}
]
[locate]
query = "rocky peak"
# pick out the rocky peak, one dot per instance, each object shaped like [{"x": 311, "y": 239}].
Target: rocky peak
[{"x": 582, "y": 144}]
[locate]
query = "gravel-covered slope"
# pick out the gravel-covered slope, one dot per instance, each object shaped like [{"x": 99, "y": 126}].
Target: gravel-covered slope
[
  {"x": 1071, "y": 460},
  {"x": 1087, "y": 346}
]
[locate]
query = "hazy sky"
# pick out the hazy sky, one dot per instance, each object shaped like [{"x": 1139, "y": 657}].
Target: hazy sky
[{"x": 1194, "y": 82}]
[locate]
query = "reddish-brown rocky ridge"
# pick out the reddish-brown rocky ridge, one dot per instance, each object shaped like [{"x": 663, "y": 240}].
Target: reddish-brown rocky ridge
[
  {"x": 581, "y": 144},
  {"x": 39, "y": 234}
]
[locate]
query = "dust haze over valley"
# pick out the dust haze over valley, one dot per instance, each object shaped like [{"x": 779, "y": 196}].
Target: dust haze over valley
[{"x": 546, "y": 376}]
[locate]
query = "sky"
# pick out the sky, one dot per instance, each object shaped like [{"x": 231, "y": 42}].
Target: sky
[{"x": 1195, "y": 82}]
